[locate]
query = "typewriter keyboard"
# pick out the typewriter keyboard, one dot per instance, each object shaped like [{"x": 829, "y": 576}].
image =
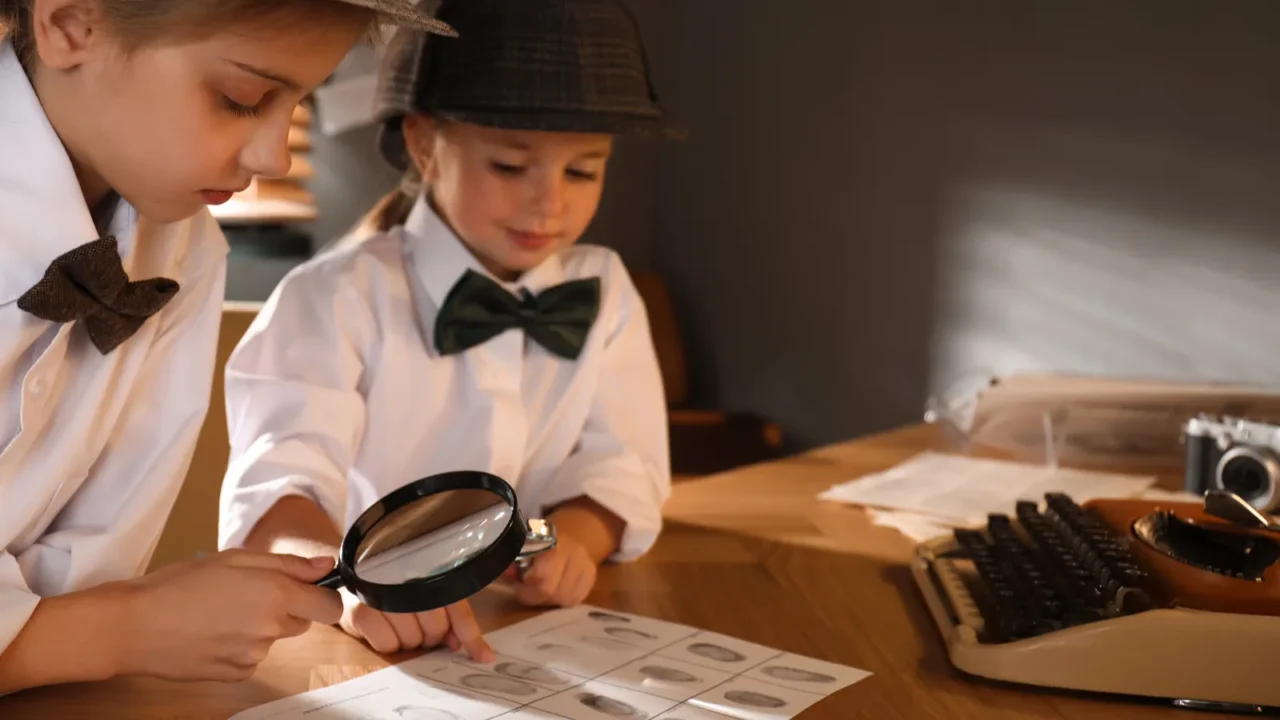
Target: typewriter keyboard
[{"x": 1049, "y": 570}]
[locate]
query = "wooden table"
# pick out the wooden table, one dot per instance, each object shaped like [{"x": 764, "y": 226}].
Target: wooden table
[{"x": 750, "y": 553}]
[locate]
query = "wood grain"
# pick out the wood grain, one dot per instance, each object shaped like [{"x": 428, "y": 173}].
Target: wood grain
[{"x": 749, "y": 553}]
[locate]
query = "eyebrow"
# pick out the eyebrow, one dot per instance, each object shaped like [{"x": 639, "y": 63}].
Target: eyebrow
[
  {"x": 524, "y": 147},
  {"x": 266, "y": 75}
]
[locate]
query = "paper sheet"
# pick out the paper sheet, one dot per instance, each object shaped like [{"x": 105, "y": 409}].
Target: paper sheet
[
  {"x": 582, "y": 663},
  {"x": 933, "y": 493}
]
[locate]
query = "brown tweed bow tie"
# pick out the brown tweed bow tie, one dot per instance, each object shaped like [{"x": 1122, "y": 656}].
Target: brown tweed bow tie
[{"x": 89, "y": 284}]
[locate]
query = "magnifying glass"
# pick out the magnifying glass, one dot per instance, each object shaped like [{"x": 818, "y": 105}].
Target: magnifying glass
[{"x": 437, "y": 541}]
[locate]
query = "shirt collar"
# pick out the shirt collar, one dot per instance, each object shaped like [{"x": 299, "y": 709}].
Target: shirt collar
[
  {"x": 438, "y": 259},
  {"x": 42, "y": 209}
]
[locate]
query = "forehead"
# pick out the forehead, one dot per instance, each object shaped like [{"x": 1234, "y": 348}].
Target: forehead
[
  {"x": 301, "y": 50},
  {"x": 534, "y": 141}
]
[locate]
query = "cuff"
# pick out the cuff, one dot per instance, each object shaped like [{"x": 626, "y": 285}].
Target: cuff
[
  {"x": 17, "y": 602},
  {"x": 622, "y": 485},
  {"x": 242, "y": 508}
]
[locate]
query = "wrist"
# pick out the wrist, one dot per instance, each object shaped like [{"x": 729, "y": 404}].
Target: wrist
[
  {"x": 78, "y": 637},
  {"x": 121, "y": 607}
]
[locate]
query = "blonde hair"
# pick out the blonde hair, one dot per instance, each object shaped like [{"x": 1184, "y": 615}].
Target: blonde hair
[{"x": 139, "y": 22}]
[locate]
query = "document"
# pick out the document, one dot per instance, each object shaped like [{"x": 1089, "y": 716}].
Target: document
[
  {"x": 582, "y": 663},
  {"x": 932, "y": 493}
]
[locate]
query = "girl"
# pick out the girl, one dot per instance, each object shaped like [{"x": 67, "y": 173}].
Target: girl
[
  {"x": 119, "y": 121},
  {"x": 471, "y": 332}
]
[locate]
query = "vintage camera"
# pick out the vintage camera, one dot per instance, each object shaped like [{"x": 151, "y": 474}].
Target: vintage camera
[{"x": 1236, "y": 455}]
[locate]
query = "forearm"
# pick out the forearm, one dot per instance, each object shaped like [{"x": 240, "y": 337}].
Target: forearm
[
  {"x": 78, "y": 637},
  {"x": 295, "y": 525},
  {"x": 589, "y": 523}
]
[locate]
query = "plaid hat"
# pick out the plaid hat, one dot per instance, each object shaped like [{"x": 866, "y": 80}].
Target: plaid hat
[
  {"x": 559, "y": 65},
  {"x": 406, "y": 13}
]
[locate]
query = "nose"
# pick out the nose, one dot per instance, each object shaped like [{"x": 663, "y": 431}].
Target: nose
[
  {"x": 267, "y": 152},
  {"x": 547, "y": 196}
]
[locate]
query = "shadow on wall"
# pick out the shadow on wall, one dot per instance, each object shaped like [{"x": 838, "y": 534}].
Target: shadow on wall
[
  {"x": 885, "y": 194},
  {"x": 1110, "y": 205}
]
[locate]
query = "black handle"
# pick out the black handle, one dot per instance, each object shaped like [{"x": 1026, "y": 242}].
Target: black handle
[{"x": 333, "y": 580}]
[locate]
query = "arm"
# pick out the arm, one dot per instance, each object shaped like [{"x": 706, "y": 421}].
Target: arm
[
  {"x": 295, "y": 416},
  {"x": 117, "y": 516},
  {"x": 608, "y": 495}
]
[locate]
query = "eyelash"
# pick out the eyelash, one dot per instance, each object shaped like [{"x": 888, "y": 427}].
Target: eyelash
[
  {"x": 516, "y": 170},
  {"x": 241, "y": 110}
]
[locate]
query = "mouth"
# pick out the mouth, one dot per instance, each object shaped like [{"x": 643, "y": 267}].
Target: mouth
[
  {"x": 218, "y": 197},
  {"x": 531, "y": 240}
]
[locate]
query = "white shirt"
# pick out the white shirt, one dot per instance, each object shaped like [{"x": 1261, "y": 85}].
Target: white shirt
[
  {"x": 93, "y": 448},
  {"x": 337, "y": 393}
]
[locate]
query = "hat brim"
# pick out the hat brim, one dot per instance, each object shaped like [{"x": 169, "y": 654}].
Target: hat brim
[
  {"x": 406, "y": 13},
  {"x": 608, "y": 124},
  {"x": 391, "y": 142}
]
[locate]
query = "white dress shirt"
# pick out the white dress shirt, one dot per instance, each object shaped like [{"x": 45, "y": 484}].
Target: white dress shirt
[
  {"x": 93, "y": 447},
  {"x": 336, "y": 392}
]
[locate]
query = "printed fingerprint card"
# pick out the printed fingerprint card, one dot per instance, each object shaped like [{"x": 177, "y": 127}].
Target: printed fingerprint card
[{"x": 582, "y": 663}]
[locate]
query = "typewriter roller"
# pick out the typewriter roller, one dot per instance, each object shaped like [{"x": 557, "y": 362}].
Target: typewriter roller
[{"x": 1122, "y": 596}]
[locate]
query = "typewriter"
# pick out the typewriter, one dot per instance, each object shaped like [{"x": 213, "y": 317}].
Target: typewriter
[{"x": 1175, "y": 601}]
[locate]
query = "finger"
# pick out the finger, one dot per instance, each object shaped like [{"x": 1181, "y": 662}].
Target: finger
[
  {"x": 531, "y": 595},
  {"x": 435, "y": 626},
  {"x": 374, "y": 627},
  {"x": 582, "y": 586},
  {"x": 407, "y": 629},
  {"x": 229, "y": 672},
  {"x": 546, "y": 572},
  {"x": 451, "y": 641},
  {"x": 292, "y": 627},
  {"x": 463, "y": 624},
  {"x": 309, "y": 602},
  {"x": 295, "y": 566}
]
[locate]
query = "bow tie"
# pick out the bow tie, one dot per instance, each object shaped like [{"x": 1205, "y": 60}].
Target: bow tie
[
  {"x": 88, "y": 284},
  {"x": 477, "y": 309}
]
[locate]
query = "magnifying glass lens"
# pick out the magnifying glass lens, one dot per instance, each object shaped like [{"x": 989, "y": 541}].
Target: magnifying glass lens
[{"x": 431, "y": 535}]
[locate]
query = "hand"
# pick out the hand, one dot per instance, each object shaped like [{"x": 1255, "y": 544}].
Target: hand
[
  {"x": 215, "y": 618},
  {"x": 564, "y": 576},
  {"x": 455, "y": 626}
]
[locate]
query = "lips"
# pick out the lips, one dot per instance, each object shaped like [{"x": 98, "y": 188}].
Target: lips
[{"x": 531, "y": 240}]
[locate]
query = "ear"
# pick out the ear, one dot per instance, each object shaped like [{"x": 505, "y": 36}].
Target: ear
[
  {"x": 420, "y": 135},
  {"x": 64, "y": 31}
]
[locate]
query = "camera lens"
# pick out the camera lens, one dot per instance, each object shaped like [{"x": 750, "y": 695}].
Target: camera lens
[
  {"x": 1245, "y": 477},
  {"x": 1250, "y": 474}
]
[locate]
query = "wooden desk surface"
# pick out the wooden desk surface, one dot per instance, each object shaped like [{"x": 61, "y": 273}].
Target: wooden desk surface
[{"x": 749, "y": 553}]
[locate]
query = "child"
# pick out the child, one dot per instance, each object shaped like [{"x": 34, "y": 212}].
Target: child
[
  {"x": 119, "y": 121},
  {"x": 403, "y": 355}
]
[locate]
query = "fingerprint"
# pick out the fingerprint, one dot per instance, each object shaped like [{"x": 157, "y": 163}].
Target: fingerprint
[
  {"x": 754, "y": 699},
  {"x": 716, "y": 652},
  {"x": 779, "y": 672}
]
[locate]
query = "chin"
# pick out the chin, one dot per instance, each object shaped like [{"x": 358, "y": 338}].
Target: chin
[{"x": 168, "y": 212}]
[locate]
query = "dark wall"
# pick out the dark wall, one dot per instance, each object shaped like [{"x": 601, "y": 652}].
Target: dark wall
[{"x": 879, "y": 195}]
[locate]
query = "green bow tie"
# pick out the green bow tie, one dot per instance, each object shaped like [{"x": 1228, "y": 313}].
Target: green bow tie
[{"x": 477, "y": 309}]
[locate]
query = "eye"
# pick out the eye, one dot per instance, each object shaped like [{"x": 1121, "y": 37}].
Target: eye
[
  {"x": 506, "y": 169},
  {"x": 582, "y": 175},
  {"x": 240, "y": 109}
]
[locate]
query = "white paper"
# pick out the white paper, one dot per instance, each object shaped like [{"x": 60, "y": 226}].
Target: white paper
[
  {"x": 582, "y": 663},
  {"x": 921, "y": 527},
  {"x": 960, "y": 490}
]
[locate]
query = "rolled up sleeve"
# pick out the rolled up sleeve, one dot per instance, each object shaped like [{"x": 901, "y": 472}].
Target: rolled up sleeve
[
  {"x": 17, "y": 602},
  {"x": 622, "y": 459},
  {"x": 295, "y": 415}
]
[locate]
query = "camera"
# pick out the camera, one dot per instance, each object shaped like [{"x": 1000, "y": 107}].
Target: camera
[{"x": 1236, "y": 455}]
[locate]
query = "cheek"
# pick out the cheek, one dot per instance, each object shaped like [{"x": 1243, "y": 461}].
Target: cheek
[
  {"x": 583, "y": 206},
  {"x": 174, "y": 131}
]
